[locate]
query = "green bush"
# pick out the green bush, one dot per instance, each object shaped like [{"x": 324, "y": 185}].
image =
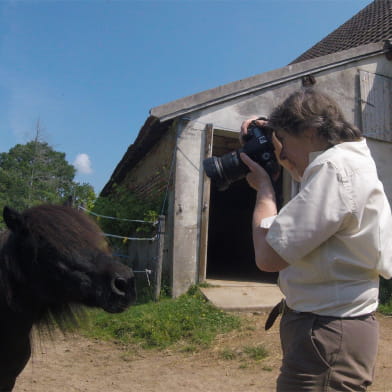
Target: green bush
[
  {"x": 385, "y": 291},
  {"x": 385, "y": 296},
  {"x": 121, "y": 205}
]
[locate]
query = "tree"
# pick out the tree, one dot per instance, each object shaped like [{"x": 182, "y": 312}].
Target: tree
[
  {"x": 34, "y": 173},
  {"x": 123, "y": 207},
  {"x": 83, "y": 195}
]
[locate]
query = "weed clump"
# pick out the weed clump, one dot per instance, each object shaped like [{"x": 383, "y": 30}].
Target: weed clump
[{"x": 189, "y": 320}]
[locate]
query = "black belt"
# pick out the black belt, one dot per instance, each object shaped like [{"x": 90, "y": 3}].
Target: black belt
[
  {"x": 278, "y": 309},
  {"x": 282, "y": 308}
]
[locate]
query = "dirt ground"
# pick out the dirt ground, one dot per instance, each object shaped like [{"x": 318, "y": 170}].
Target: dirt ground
[{"x": 74, "y": 364}]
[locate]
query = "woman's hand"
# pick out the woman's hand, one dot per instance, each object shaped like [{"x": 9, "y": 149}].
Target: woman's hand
[
  {"x": 257, "y": 177},
  {"x": 277, "y": 148},
  {"x": 245, "y": 125}
]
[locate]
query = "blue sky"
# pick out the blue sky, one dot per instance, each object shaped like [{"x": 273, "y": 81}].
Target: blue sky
[{"x": 89, "y": 71}]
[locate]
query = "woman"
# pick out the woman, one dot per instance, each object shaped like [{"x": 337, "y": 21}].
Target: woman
[{"x": 329, "y": 244}]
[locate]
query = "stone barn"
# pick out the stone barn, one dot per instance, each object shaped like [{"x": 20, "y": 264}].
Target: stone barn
[{"x": 208, "y": 232}]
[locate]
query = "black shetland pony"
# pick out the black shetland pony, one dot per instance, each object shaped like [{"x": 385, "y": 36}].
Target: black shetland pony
[{"x": 51, "y": 259}]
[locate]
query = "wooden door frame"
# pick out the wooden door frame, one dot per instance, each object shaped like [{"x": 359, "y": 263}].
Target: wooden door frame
[{"x": 205, "y": 206}]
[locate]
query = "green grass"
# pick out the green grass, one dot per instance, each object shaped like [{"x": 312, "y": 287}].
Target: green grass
[
  {"x": 255, "y": 353},
  {"x": 228, "y": 354},
  {"x": 189, "y": 321}
]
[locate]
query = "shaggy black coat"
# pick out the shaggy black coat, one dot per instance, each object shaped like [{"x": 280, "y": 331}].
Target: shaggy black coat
[{"x": 51, "y": 259}]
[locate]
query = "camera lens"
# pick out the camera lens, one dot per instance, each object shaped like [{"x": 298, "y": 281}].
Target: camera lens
[
  {"x": 225, "y": 170},
  {"x": 229, "y": 168}
]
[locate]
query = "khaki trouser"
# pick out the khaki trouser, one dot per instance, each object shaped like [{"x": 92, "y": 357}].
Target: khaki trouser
[{"x": 327, "y": 353}]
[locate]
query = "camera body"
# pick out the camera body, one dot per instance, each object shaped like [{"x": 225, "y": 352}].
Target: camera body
[{"x": 229, "y": 168}]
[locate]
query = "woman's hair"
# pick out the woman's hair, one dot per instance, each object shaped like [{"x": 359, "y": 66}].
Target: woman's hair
[{"x": 309, "y": 108}]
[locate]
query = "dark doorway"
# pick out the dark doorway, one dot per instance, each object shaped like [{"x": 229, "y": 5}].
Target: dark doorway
[{"x": 230, "y": 254}]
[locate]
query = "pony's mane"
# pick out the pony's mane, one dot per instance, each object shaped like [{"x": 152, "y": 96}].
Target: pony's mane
[{"x": 64, "y": 228}]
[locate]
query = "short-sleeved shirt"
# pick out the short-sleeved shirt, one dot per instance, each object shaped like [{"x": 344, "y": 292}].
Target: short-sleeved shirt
[{"x": 336, "y": 235}]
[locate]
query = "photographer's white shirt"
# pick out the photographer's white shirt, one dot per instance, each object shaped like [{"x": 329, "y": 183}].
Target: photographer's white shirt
[{"x": 335, "y": 234}]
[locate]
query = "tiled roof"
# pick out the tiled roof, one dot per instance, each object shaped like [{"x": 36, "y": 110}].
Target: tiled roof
[{"x": 372, "y": 24}]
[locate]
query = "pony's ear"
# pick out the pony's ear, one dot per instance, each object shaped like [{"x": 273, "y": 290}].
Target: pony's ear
[{"x": 13, "y": 219}]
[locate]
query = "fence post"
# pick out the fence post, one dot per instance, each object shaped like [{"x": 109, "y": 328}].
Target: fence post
[{"x": 159, "y": 259}]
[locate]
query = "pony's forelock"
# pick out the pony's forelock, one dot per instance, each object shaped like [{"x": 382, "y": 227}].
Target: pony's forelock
[{"x": 64, "y": 228}]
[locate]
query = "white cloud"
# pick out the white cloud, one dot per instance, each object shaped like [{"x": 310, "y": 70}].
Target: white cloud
[{"x": 82, "y": 164}]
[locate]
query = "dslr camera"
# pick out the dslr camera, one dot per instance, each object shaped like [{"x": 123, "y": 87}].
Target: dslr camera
[{"x": 229, "y": 168}]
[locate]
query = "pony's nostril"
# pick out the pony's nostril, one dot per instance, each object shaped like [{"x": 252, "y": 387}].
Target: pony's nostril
[{"x": 119, "y": 285}]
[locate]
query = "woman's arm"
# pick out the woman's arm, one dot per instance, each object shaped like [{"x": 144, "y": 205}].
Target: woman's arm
[{"x": 266, "y": 257}]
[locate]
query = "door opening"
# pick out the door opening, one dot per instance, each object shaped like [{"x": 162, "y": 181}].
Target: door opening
[{"x": 230, "y": 254}]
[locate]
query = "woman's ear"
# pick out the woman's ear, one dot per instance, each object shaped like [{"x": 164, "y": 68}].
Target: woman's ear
[
  {"x": 317, "y": 141},
  {"x": 310, "y": 133}
]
